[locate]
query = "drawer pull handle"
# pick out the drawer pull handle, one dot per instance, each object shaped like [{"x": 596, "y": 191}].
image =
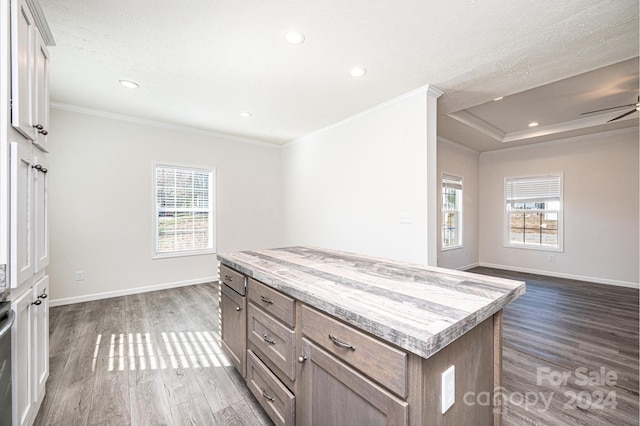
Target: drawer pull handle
[
  {"x": 238, "y": 308},
  {"x": 37, "y": 302},
  {"x": 341, "y": 344},
  {"x": 266, "y": 395},
  {"x": 228, "y": 278},
  {"x": 302, "y": 359},
  {"x": 268, "y": 339},
  {"x": 266, "y": 300}
]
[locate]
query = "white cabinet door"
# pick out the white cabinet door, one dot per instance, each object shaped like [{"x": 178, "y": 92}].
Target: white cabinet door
[
  {"x": 40, "y": 337},
  {"x": 21, "y": 264},
  {"x": 21, "y": 358},
  {"x": 40, "y": 94},
  {"x": 22, "y": 67},
  {"x": 40, "y": 212}
]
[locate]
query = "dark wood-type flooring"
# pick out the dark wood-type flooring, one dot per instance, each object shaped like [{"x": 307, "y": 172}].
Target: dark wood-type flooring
[{"x": 155, "y": 359}]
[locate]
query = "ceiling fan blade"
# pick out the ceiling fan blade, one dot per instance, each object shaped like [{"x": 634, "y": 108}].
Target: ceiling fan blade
[
  {"x": 607, "y": 109},
  {"x": 623, "y": 115}
]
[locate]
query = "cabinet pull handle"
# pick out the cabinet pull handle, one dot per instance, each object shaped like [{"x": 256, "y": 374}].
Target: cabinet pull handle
[
  {"x": 228, "y": 278},
  {"x": 43, "y": 296},
  {"x": 341, "y": 344},
  {"x": 268, "y": 339},
  {"x": 266, "y": 300},
  {"x": 238, "y": 308},
  {"x": 266, "y": 395},
  {"x": 37, "y": 302},
  {"x": 38, "y": 126},
  {"x": 43, "y": 132}
]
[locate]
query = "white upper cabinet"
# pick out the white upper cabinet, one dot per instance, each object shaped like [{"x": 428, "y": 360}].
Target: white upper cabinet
[{"x": 30, "y": 76}]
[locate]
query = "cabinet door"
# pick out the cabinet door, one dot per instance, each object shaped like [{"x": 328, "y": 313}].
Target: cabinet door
[
  {"x": 40, "y": 337},
  {"x": 233, "y": 327},
  {"x": 40, "y": 92},
  {"x": 21, "y": 358},
  {"x": 40, "y": 212},
  {"x": 22, "y": 67},
  {"x": 21, "y": 213},
  {"x": 332, "y": 393}
]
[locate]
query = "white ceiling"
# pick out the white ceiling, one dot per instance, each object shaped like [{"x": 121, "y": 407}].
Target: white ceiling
[{"x": 200, "y": 63}]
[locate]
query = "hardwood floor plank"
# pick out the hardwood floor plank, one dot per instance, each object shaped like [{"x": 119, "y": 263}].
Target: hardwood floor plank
[{"x": 167, "y": 366}]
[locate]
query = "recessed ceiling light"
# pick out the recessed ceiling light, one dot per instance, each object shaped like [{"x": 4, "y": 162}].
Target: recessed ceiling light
[
  {"x": 245, "y": 114},
  {"x": 294, "y": 37},
  {"x": 499, "y": 98},
  {"x": 357, "y": 72},
  {"x": 533, "y": 124},
  {"x": 129, "y": 84}
]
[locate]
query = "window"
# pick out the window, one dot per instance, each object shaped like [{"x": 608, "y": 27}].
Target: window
[
  {"x": 534, "y": 212},
  {"x": 184, "y": 215},
  {"x": 451, "y": 211}
]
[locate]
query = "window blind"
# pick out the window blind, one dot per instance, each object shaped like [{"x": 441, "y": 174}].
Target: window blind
[
  {"x": 450, "y": 181},
  {"x": 533, "y": 188}
]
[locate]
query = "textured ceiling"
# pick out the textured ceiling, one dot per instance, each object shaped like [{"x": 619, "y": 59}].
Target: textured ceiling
[{"x": 200, "y": 63}]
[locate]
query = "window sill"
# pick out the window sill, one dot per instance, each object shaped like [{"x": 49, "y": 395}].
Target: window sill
[
  {"x": 182, "y": 254},
  {"x": 532, "y": 247},
  {"x": 459, "y": 246}
]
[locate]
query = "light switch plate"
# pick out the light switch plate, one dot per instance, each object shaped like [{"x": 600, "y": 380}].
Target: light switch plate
[{"x": 448, "y": 389}]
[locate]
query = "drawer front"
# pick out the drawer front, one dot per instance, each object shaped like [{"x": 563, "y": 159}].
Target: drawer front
[
  {"x": 273, "y": 339},
  {"x": 233, "y": 279},
  {"x": 272, "y": 301},
  {"x": 274, "y": 397},
  {"x": 378, "y": 360}
]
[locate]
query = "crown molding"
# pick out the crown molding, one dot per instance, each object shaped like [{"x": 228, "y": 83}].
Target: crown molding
[
  {"x": 159, "y": 124},
  {"x": 494, "y": 132}
]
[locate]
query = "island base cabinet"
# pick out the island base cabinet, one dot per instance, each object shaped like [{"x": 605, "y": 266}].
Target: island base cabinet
[
  {"x": 333, "y": 393},
  {"x": 233, "y": 327}
]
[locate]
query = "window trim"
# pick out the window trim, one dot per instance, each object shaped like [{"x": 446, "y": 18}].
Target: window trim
[
  {"x": 506, "y": 228},
  {"x": 459, "y": 211},
  {"x": 154, "y": 212}
]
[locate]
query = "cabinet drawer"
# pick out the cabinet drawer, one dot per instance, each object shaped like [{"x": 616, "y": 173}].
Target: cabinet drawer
[
  {"x": 274, "y": 397},
  {"x": 273, "y": 339},
  {"x": 378, "y": 360},
  {"x": 272, "y": 301},
  {"x": 233, "y": 279}
]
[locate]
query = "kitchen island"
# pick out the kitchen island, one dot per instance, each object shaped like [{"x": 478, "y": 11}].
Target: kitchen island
[{"x": 329, "y": 337}]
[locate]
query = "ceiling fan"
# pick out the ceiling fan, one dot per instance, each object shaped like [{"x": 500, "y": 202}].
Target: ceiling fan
[{"x": 635, "y": 107}]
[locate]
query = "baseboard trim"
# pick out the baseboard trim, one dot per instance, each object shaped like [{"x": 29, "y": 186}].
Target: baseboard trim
[
  {"x": 128, "y": 291},
  {"x": 467, "y": 267},
  {"x": 563, "y": 275}
]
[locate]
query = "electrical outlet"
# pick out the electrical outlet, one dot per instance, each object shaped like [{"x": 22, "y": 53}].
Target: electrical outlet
[
  {"x": 552, "y": 258},
  {"x": 405, "y": 218},
  {"x": 448, "y": 389},
  {"x": 79, "y": 275}
]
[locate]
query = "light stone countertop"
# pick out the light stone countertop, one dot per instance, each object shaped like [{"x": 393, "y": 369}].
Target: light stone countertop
[{"x": 418, "y": 308}]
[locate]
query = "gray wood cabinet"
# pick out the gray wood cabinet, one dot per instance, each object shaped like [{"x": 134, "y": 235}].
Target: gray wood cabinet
[
  {"x": 334, "y": 393},
  {"x": 233, "y": 327},
  {"x": 307, "y": 367}
]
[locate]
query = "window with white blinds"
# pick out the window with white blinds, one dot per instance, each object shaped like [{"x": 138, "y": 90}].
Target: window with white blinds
[
  {"x": 184, "y": 210},
  {"x": 534, "y": 212},
  {"x": 451, "y": 229}
]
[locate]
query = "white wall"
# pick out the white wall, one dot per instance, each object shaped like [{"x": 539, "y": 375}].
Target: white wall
[
  {"x": 600, "y": 207},
  {"x": 463, "y": 162},
  {"x": 346, "y": 186},
  {"x": 101, "y": 192}
]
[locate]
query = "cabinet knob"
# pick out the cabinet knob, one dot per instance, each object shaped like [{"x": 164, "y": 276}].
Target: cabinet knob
[
  {"x": 302, "y": 359},
  {"x": 37, "y": 302},
  {"x": 238, "y": 308},
  {"x": 38, "y": 126},
  {"x": 43, "y": 132},
  {"x": 43, "y": 296}
]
